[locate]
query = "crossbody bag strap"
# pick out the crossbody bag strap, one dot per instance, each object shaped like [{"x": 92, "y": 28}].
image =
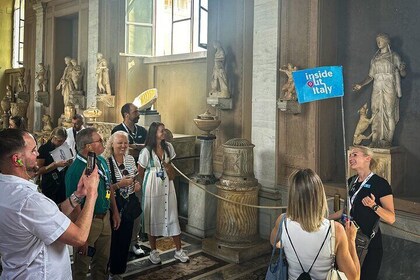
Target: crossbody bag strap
[
  {"x": 319, "y": 251},
  {"x": 111, "y": 167},
  {"x": 278, "y": 236},
  {"x": 332, "y": 243},
  {"x": 375, "y": 229}
]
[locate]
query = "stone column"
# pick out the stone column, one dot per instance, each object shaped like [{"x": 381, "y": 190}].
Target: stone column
[
  {"x": 39, "y": 40},
  {"x": 93, "y": 43},
  {"x": 264, "y": 90}
]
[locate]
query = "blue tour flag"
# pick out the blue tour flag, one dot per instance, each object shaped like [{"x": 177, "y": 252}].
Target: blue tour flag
[{"x": 319, "y": 83}]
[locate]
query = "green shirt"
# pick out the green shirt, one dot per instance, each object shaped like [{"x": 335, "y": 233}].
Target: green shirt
[{"x": 74, "y": 173}]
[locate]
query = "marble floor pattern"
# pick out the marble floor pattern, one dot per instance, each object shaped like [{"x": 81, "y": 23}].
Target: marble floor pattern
[{"x": 200, "y": 266}]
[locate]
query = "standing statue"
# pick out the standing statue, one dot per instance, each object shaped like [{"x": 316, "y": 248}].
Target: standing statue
[
  {"x": 102, "y": 75},
  {"x": 386, "y": 69},
  {"x": 21, "y": 87},
  {"x": 41, "y": 76},
  {"x": 219, "y": 83},
  {"x": 66, "y": 84},
  {"x": 289, "y": 89},
  {"x": 76, "y": 75}
]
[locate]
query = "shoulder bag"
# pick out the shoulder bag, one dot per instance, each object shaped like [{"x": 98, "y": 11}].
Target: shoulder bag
[
  {"x": 334, "y": 273},
  {"x": 129, "y": 208},
  {"x": 279, "y": 269}
]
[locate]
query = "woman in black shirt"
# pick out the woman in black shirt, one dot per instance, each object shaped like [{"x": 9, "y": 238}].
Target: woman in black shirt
[
  {"x": 371, "y": 199},
  {"x": 52, "y": 181}
]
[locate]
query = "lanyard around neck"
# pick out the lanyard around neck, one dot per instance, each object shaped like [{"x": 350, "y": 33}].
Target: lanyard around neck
[
  {"x": 101, "y": 170},
  {"x": 115, "y": 163},
  {"x": 353, "y": 197},
  {"x": 131, "y": 134}
]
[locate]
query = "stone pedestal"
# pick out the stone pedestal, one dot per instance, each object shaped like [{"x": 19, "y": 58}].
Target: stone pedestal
[
  {"x": 148, "y": 116},
  {"x": 202, "y": 205},
  {"x": 78, "y": 98},
  {"x": 237, "y": 237},
  {"x": 390, "y": 165},
  {"x": 5, "y": 118},
  {"x": 108, "y": 100},
  {"x": 220, "y": 103},
  {"x": 201, "y": 210},
  {"x": 43, "y": 97}
]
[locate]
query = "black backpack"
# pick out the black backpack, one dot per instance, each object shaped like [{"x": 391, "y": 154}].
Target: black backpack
[{"x": 305, "y": 275}]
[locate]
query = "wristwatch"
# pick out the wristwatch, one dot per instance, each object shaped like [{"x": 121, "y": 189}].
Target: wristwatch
[{"x": 375, "y": 207}]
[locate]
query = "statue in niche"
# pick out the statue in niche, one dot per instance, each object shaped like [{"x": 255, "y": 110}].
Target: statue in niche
[
  {"x": 41, "y": 76},
  {"x": 219, "y": 83},
  {"x": 66, "y": 84},
  {"x": 76, "y": 75},
  {"x": 47, "y": 123},
  {"x": 102, "y": 75},
  {"x": 289, "y": 89},
  {"x": 386, "y": 70},
  {"x": 362, "y": 125}
]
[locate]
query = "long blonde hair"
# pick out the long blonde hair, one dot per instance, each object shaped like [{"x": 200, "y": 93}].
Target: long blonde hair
[
  {"x": 366, "y": 151},
  {"x": 307, "y": 202},
  {"x": 109, "y": 151}
]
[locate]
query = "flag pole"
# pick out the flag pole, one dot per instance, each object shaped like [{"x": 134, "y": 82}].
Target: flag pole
[{"x": 346, "y": 164}]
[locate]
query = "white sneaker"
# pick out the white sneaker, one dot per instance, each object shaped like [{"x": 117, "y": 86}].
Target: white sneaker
[
  {"x": 154, "y": 257},
  {"x": 137, "y": 250},
  {"x": 182, "y": 255}
]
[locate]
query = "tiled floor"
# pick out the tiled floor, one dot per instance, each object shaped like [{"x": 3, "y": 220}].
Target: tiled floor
[{"x": 201, "y": 265}]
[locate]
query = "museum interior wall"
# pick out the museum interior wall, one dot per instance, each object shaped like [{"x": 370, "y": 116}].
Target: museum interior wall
[
  {"x": 359, "y": 23},
  {"x": 6, "y": 25}
]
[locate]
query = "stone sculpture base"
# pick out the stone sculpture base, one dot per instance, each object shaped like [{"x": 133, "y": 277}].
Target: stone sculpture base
[
  {"x": 237, "y": 253},
  {"x": 78, "y": 99},
  {"x": 5, "y": 117},
  {"x": 43, "y": 97},
  {"x": 390, "y": 165},
  {"x": 201, "y": 210},
  {"x": 220, "y": 103},
  {"x": 108, "y": 100},
  {"x": 148, "y": 116},
  {"x": 289, "y": 106}
]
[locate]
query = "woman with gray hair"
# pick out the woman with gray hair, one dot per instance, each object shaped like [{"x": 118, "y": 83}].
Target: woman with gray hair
[
  {"x": 123, "y": 171},
  {"x": 386, "y": 70},
  {"x": 52, "y": 179}
]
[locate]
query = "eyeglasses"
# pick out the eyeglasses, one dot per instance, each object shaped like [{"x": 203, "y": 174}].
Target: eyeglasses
[{"x": 100, "y": 140}]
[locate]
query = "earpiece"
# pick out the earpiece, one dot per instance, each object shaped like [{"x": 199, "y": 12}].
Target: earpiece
[{"x": 19, "y": 161}]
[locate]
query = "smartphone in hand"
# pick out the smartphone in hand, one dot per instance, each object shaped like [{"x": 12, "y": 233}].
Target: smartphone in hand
[{"x": 91, "y": 162}]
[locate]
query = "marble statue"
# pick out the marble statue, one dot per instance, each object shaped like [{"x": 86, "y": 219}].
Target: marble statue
[
  {"x": 362, "y": 125},
  {"x": 7, "y": 99},
  {"x": 66, "y": 84},
  {"x": 289, "y": 89},
  {"x": 41, "y": 76},
  {"x": 21, "y": 86},
  {"x": 47, "y": 123},
  {"x": 76, "y": 75},
  {"x": 102, "y": 75},
  {"x": 386, "y": 70},
  {"x": 219, "y": 83}
]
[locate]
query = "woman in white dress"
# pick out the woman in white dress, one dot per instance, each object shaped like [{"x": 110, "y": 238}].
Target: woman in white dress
[{"x": 160, "y": 211}]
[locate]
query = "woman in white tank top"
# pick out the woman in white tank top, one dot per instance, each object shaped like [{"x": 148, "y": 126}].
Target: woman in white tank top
[{"x": 306, "y": 232}]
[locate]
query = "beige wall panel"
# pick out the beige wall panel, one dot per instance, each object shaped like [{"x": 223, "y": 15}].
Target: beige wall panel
[{"x": 182, "y": 95}]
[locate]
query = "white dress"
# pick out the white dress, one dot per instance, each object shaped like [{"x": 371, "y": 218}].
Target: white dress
[{"x": 160, "y": 211}]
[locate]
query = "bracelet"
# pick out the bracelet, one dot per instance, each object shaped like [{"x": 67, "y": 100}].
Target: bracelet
[
  {"x": 76, "y": 199},
  {"x": 118, "y": 186},
  {"x": 71, "y": 203}
]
